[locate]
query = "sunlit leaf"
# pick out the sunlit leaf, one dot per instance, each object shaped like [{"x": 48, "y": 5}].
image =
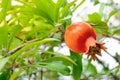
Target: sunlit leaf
[
  {"x": 56, "y": 66},
  {"x": 57, "y": 9},
  {"x": 3, "y": 34},
  {"x": 78, "y": 5},
  {"x": 94, "y": 18},
  {"x": 59, "y": 58},
  {"x": 95, "y": 2},
  {"x": 16, "y": 54},
  {"x": 96, "y": 21},
  {"x": 5, "y": 6},
  {"x": 47, "y": 11},
  {"x": 66, "y": 8},
  {"x": 101, "y": 28},
  {"x": 61, "y": 55},
  {"x": 41, "y": 28},
  {"x": 111, "y": 14},
  {"x": 15, "y": 74},
  {"x": 3, "y": 61},
  {"x": 13, "y": 33},
  {"x": 116, "y": 31}
]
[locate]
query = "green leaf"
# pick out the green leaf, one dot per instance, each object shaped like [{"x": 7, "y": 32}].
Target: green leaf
[
  {"x": 13, "y": 33},
  {"x": 111, "y": 14},
  {"x": 3, "y": 34},
  {"x": 41, "y": 29},
  {"x": 16, "y": 54},
  {"x": 57, "y": 9},
  {"x": 101, "y": 9},
  {"x": 101, "y": 28},
  {"x": 116, "y": 31},
  {"x": 117, "y": 56},
  {"x": 77, "y": 69},
  {"x": 78, "y": 5},
  {"x": 61, "y": 55},
  {"x": 90, "y": 69},
  {"x": 15, "y": 74},
  {"x": 58, "y": 35},
  {"x": 94, "y": 18},
  {"x": 95, "y": 2},
  {"x": 58, "y": 58},
  {"x": 115, "y": 70},
  {"x": 30, "y": 71},
  {"x": 3, "y": 61},
  {"x": 45, "y": 9},
  {"x": 5, "y": 6},
  {"x": 35, "y": 11},
  {"x": 66, "y": 8},
  {"x": 56, "y": 66},
  {"x": 5, "y": 74}
]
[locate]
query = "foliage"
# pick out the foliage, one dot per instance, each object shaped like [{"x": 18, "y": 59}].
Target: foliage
[{"x": 31, "y": 29}]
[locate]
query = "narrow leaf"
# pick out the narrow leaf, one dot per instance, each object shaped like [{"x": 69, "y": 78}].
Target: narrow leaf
[
  {"x": 3, "y": 34},
  {"x": 77, "y": 69},
  {"x": 61, "y": 55},
  {"x": 111, "y": 14},
  {"x": 78, "y": 5},
  {"x": 116, "y": 31},
  {"x": 90, "y": 69},
  {"x": 3, "y": 61},
  {"x": 5, "y": 6},
  {"x": 57, "y": 66},
  {"x": 45, "y": 7},
  {"x": 56, "y": 10},
  {"x": 5, "y": 74},
  {"x": 101, "y": 28},
  {"x": 65, "y": 10},
  {"x": 16, "y": 54},
  {"x": 13, "y": 33},
  {"x": 15, "y": 74}
]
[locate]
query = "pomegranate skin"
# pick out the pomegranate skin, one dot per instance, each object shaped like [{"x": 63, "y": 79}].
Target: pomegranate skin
[
  {"x": 77, "y": 35},
  {"x": 81, "y": 38}
]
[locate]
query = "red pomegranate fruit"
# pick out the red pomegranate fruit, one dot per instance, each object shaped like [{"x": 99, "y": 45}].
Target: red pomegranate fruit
[{"x": 80, "y": 37}]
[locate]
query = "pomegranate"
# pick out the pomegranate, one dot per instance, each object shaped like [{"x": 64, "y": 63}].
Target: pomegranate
[{"x": 80, "y": 37}]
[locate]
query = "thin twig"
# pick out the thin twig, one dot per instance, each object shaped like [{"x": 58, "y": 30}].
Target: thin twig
[
  {"x": 112, "y": 56},
  {"x": 106, "y": 68},
  {"x": 27, "y": 42},
  {"x": 78, "y": 5},
  {"x": 18, "y": 38},
  {"x": 41, "y": 76},
  {"x": 99, "y": 61},
  {"x": 21, "y": 46},
  {"x": 116, "y": 38}
]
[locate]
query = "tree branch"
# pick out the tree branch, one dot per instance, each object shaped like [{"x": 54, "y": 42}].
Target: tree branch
[
  {"x": 17, "y": 38},
  {"x": 116, "y": 38},
  {"x": 21, "y": 46},
  {"x": 112, "y": 56},
  {"x": 99, "y": 61}
]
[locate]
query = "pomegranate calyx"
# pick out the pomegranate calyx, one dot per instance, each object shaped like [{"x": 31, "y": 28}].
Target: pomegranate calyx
[{"x": 93, "y": 50}]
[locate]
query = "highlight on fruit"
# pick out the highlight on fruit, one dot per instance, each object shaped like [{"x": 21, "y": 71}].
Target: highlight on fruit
[{"x": 80, "y": 37}]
